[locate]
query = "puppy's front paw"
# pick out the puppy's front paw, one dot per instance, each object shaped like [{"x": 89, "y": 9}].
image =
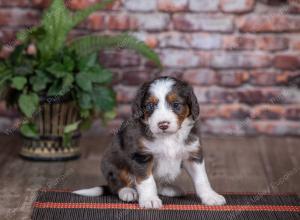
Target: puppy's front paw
[
  {"x": 150, "y": 202},
  {"x": 127, "y": 194},
  {"x": 212, "y": 198}
]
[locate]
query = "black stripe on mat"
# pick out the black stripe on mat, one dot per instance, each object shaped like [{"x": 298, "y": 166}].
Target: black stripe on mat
[
  {"x": 115, "y": 214},
  {"x": 67, "y": 197}
]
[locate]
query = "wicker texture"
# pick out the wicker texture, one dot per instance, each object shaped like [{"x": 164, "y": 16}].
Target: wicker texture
[{"x": 51, "y": 119}]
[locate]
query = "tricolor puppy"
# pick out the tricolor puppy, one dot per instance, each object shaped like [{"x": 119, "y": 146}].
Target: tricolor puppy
[{"x": 151, "y": 148}]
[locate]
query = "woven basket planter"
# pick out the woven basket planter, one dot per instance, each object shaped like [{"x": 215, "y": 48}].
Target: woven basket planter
[{"x": 51, "y": 118}]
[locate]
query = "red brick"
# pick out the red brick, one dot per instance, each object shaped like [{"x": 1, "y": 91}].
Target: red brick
[
  {"x": 171, "y": 72},
  {"x": 204, "y": 5},
  {"x": 237, "y": 6},
  {"x": 205, "y": 41},
  {"x": 81, "y": 4},
  {"x": 8, "y": 37},
  {"x": 174, "y": 40},
  {"x": 287, "y": 61},
  {"x": 196, "y": 22},
  {"x": 201, "y": 94},
  {"x": 125, "y": 94},
  {"x": 263, "y": 78},
  {"x": 267, "y": 112},
  {"x": 208, "y": 111},
  {"x": 220, "y": 95},
  {"x": 295, "y": 43},
  {"x": 122, "y": 22},
  {"x": 292, "y": 112},
  {"x": 223, "y": 127},
  {"x": 96, "y": 21},
  {"x": 124, "y": 111},
  {"x": 19, "y": 3},
  {"x": 200, "y": 77},
  {"x": 232, "y": 78},
  {"x": 149, "y": 39},
  {"x": 261, "y": 95},
  {"x": 172, "y": 5},
  {"x": 18, "y": 17},
  {"x": 192, "y": 40},
  {"x": 294, "y": 6},
  {"x": 238, "y": 42},
  {"x": 151, "y": 42},
  {"x": 42, "y": 3},
  {"x": 234, "y": 111},
  {"x": 294, "y": 83},
  {"x": 115, "y": 6},
  {"x": 294, "y": 3},
  {"x": 174, "y": 58},
  {"x": 119, "y": 59},
  {"x": 287, "y": 95},
  {"x": 152, "y": 22},
  {"x": 138, "y": 5},
  {"x": 277, "y": 127},
  {"x": 284, "y": 77},
  {"x": 222, "y": 60},
  {"x": 272, "y": 43},
  {"x": 294, "y": 10},
  {"x": 272, "y": 2},
  {"x": 267, "y": 23},
  {"x": 182, "y": 58},
  {"x": 215, "y": 95},
  {"x": 135, "y": 77}
]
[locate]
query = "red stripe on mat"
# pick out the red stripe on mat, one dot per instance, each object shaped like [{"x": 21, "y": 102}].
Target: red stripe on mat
[
  {"x": 277, "y": 208},
  {"x": 223, "y": 193}
]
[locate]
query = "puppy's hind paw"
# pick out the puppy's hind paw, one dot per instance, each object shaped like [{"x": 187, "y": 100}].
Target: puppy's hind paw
[
  {"x": 213, "y": 198},
  {"x": 170, "y": 191}
]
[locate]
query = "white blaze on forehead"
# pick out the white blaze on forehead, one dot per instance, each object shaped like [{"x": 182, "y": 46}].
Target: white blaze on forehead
[{"x": 161, "y": 87}]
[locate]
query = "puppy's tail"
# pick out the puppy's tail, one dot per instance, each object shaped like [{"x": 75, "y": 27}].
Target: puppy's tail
[{"x": 95, "y": 191}]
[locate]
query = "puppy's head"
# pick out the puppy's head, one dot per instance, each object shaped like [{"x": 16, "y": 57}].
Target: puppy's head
[{"x": 164, "y": 104}]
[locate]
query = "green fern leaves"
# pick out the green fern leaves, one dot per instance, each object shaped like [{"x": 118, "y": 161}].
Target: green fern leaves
[
  {"x": 57, "y": 23},
  {"x": 90, "y": 44}
]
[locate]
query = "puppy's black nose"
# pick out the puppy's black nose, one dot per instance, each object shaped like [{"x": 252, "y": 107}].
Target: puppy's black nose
[{"x": 163, "y": 125}]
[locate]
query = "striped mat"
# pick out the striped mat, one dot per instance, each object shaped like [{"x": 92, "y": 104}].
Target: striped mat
[{"x": 60, "y": 204}]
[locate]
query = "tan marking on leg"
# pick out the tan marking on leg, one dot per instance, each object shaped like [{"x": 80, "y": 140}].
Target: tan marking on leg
[
  {"x": 125, "y": 178},
  {"x": 196, "y": 155}
]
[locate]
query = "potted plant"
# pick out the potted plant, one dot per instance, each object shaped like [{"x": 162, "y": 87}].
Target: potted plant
[{"x": 57, "y": 84}]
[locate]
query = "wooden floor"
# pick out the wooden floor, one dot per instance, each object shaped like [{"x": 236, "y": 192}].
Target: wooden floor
[{"x": 262, "y": 164}]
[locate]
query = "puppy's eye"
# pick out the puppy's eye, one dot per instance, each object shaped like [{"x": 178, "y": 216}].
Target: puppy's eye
[
  {"x": 176, "y": 106},
  {"x": 150, "y": 107}
]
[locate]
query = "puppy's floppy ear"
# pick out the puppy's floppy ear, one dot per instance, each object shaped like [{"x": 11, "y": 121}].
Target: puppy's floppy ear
[
  {"x": 137, "y": 108},
  {"x": 193, "y": 103}
]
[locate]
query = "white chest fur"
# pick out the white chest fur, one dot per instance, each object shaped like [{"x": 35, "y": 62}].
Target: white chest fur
[{"x": 169, "y": 151}]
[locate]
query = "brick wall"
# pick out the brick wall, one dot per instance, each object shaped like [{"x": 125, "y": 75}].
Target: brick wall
[{"x": 238, "y": 55}]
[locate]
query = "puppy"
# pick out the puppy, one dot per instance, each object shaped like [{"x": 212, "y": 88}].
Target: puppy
[{"x": 151, "y": 148}]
